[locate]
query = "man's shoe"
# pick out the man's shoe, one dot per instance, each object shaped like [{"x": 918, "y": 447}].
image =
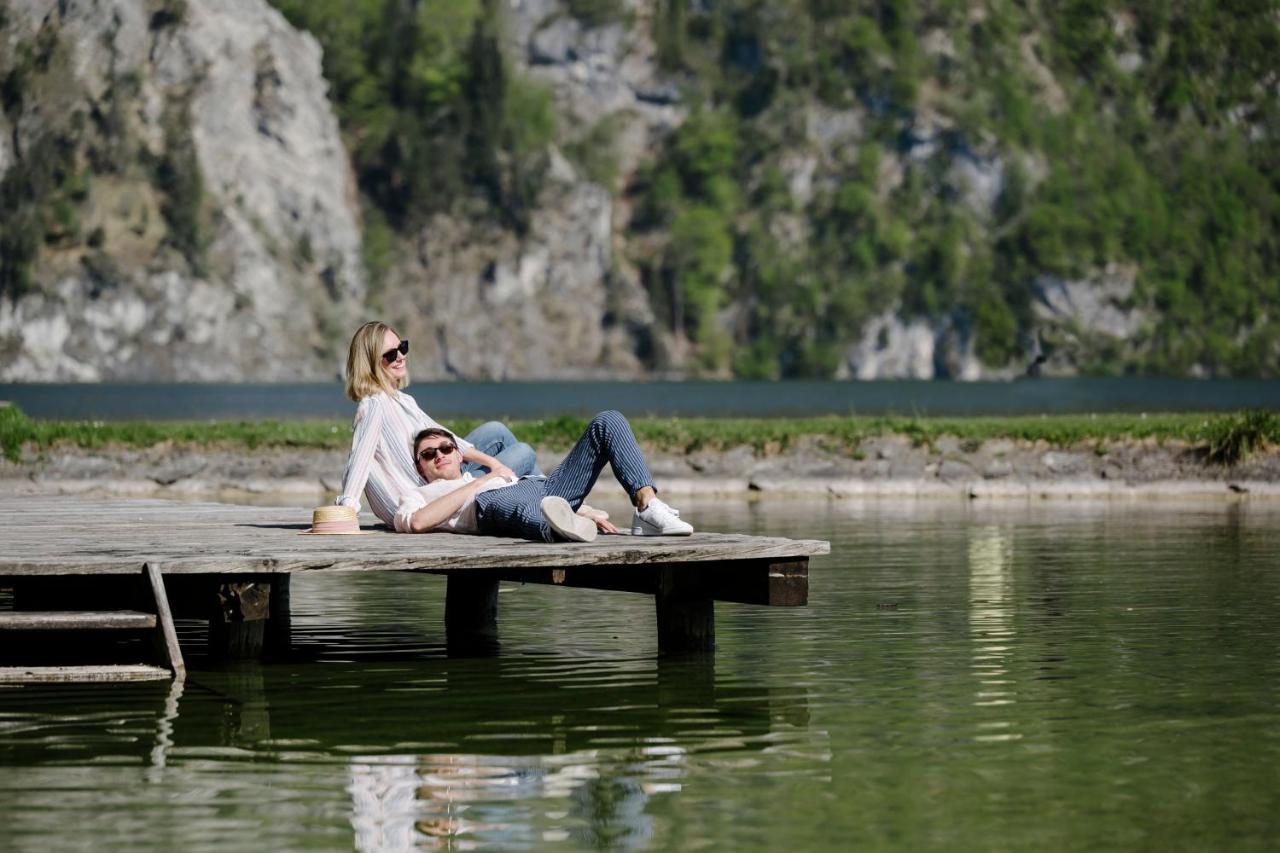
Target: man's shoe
[
  {"x": 658, "y": 519},
  {"x": 566, "y": 523}
]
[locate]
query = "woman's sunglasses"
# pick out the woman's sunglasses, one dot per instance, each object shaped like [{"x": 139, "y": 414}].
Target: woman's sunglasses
[
  {"x": 390, "y": 355},
  {"x": 426, "y": 454}
]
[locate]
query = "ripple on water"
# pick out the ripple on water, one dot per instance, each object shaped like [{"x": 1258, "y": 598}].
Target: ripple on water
[{"x": 1002, "y": 675}]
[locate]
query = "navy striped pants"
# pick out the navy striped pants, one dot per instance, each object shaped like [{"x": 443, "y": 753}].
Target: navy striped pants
[{"x": 515, "y": 511}]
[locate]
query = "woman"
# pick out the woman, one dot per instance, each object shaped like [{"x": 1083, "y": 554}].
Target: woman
[
  {"x": 543, "y": 509},
  {"x": 381, "y": 465}
]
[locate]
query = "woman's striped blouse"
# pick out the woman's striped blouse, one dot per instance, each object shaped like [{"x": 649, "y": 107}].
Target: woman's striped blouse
[{"x": 381, "y": 461}]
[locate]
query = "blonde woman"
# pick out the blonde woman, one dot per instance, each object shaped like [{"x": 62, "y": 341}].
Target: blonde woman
[{"x": 381, "y": 464}]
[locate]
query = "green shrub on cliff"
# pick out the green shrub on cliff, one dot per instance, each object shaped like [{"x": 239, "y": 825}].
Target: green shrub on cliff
[
  {"x": 1121, "y": 131},
  {"x": 428, "y": 105}
]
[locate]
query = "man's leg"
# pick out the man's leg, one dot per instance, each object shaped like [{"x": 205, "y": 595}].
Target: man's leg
[
  {"x": 514, "y": 511},
  {"x": 495, "y": 439},
  {"x": 608, "y": 439}
]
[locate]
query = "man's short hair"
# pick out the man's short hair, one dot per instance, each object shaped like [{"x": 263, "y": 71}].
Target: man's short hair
[{"x": 432, "y": 432}]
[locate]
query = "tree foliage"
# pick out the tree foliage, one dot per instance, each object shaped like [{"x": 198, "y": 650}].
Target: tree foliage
[
  {"x": 1138, "y": 132},
  {"x": 429, "y": 106}
]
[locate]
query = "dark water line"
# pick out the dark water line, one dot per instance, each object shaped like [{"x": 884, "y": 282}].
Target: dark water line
[{"x": 178, "y": 401}]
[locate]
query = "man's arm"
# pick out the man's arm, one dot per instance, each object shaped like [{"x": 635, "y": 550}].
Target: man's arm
[
  {"x": 438, "y": 511},
  {"x": 472, "y": 454}
]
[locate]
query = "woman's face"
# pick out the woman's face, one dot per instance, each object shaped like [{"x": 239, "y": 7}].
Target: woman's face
[{"x": 398, "y": 366}]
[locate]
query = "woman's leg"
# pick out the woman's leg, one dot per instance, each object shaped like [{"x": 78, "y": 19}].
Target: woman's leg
[
  {"x": 495, "y": 439},
  {"x": 608, "y": 439}
]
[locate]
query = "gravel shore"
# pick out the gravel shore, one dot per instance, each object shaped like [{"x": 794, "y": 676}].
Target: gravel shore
[{"x": 887, "y": 466}]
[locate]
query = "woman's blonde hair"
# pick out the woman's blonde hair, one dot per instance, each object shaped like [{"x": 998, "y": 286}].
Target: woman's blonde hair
[{"x": 366, "y": 374}]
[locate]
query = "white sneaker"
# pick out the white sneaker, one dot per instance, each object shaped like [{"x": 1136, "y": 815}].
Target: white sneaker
[
  {"x": 658, "y": 519},
  {"x": 566, "y": 523}
]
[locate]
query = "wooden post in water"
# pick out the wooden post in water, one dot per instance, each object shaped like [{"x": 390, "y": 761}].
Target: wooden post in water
[
  {"x": 471, "y": 613},
  {"x": 686, "y": 613},
  {"x": 279, "y": 631},
  {"x": 238, "y": 621}
]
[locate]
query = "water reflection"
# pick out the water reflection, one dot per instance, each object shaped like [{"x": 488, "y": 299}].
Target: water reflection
[
  {"x": 164, "y": 726},
  {"x": 435, "y": 752},
  {"x": 991, "y": 627},
  {"x": 458, "y": 801},
  {"x": 1065, "y": 677}
]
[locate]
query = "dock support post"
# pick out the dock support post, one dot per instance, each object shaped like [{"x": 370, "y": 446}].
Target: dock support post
[
  {"x": 237, "y": 625},
  {"x": 471, "y": 613},
  {"x": 279, "y": 631},
  {"x": 686, "y": 613}
]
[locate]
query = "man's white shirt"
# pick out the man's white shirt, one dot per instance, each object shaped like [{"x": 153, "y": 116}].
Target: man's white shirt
[{"x": 463, "y": 520}]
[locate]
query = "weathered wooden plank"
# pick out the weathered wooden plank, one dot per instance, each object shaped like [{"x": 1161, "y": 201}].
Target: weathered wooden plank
[
  {"x": 641, "y": 579},
  {"x": 112, "y": 672},
  {"x": 70, "y": 620},
  {"x": 408, "y": 553},
  {"x": 776, "y": 583},
  {"x": 70, "y": 535},
  {"x": 167, "y": 637}
]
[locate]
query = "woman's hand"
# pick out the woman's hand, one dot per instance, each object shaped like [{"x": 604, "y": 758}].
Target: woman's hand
[{"x": 606, "y": 526}]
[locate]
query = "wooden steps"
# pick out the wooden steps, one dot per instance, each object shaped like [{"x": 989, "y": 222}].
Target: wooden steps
[
  {"x": 56, "y": 674},
  {"x": 160, "y": 623},
  {"x": 74, "y": 620}
]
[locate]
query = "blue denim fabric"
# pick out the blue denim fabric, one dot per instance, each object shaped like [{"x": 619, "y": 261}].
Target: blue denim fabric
[
  {"x": 516, "y": 510},
  {"x": 496, "y": 440}
]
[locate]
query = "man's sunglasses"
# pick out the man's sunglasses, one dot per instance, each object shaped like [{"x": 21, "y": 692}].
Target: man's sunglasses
[
  {"x": 426, "y": 454},
  {"x": 390, "y": 355}
]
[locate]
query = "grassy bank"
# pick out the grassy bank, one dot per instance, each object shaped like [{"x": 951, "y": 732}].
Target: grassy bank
[{"x": 1225, "y": 437}]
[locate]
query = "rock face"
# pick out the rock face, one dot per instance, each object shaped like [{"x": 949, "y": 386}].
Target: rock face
[
  {"x": 917, "y": 349},
  {"x": 219, "y": 233},
  {"x": 599, "y": 73},
  {"x": 560, "y": 301},
  {"x": 486, "y": 305},
  {"x": 1083, "y": 316},
  {"x": 232, "y": 97}
]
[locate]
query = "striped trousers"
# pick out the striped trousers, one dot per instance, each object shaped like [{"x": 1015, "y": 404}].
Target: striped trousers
[{"x": 515, "y": 511}]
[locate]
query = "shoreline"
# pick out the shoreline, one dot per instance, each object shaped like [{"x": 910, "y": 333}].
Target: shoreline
[
  {"x": 884, "y": 467},
  {"x": 296, "y": 490}
]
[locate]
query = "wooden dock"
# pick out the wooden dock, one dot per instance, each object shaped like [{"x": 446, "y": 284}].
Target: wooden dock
[{"x": 232, "y": 565}]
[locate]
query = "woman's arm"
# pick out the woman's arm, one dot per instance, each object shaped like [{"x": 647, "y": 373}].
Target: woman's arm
[
  {"x": 439, "y": 511},
  {"x": 364, "y": 443}
]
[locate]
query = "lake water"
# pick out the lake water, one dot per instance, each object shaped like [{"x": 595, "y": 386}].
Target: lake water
[
  {"x": 999, "y": 676},
  {"x": 546, "y": 399}
]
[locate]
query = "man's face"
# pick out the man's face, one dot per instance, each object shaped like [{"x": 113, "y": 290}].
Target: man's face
[{"x": 438, "y": 459}]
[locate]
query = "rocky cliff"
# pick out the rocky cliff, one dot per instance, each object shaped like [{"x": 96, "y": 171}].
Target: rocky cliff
[
  {"x": 192, "y": 207},
  {"x": 755, "y": 191}
]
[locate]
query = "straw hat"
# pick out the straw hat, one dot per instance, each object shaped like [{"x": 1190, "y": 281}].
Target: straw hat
[{"x": 334, "y": 521}]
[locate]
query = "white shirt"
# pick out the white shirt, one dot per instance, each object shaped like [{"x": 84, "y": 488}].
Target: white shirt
[
  {"x": 381, "y": 461},
  {"x": 462, "y": 521}
]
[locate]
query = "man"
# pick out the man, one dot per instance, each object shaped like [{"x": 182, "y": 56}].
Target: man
[{"x": 539, "y": 509}]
